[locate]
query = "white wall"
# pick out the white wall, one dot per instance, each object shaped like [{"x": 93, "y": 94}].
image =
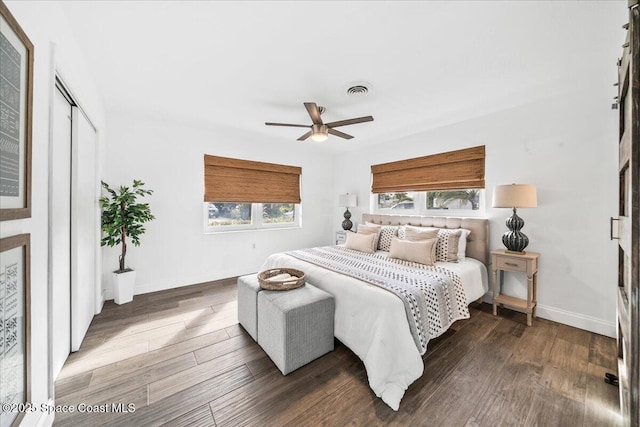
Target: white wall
[
  {"x": 169, "y": 158},
  {"x": 563, "y": 139},
  {"x": 557, "y": 133},
  {"x": 45, "y": 26}
]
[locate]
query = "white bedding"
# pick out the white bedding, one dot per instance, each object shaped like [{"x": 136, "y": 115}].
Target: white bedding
[
  {"x": 372, "y": 321},
  {"x": 473, "y": 275}
]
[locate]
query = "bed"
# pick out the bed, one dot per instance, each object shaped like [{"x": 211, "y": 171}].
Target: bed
[{"x": 374, "y": 322}]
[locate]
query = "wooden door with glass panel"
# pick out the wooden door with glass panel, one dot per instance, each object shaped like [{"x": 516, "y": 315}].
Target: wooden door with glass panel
[{"x": 629, "y": 221}]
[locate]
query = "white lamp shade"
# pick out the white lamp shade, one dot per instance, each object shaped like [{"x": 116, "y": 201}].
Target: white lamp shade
[
  {"x": 515, "y": 196},
  {"x": 348, "y": 200}
]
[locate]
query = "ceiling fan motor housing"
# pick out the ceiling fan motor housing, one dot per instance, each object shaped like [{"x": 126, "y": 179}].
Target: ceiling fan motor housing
[{"x": 319, "y": 128}]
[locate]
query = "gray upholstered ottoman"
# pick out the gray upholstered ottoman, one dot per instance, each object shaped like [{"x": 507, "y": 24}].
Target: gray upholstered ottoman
[
  {"x": 296, "y": 326},
  {"x": 248, "y": 288}
]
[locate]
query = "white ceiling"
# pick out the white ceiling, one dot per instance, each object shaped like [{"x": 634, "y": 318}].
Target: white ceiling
[{"x": 239, "y": 64}]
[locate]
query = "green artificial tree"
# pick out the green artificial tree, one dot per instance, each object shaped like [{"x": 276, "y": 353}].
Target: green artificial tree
[{"x": 123, "y": 217}]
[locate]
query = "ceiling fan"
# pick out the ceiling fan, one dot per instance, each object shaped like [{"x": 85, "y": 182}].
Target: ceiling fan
[{"x": 320, "y": 131}]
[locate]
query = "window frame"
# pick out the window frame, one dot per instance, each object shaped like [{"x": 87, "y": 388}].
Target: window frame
[
  {"x": 256, "y": 220},
  {"x": 420, "y": 199}
]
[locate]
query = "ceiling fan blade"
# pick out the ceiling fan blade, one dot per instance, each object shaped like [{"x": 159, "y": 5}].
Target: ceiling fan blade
[
  {"x": 350, "y": 121},
  {"x": 313, "y": 111},
  {"x": 305, "y": 136},
  {"x": 286, "y": 124},
  {"x": 338, "y": 133}
]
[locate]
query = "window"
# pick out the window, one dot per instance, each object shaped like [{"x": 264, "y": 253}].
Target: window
[
  {"x": 248, "y": 195},
  {"x": 232, "y": 216},
  {"x": 451, "y": 182},
  {"x": 454, "y": 199},
  {"x": 278, "y": 213},
  {"x": 396, "y": 201},
  {"x": 224, "y": 214},
  {"x": 470, "y": 201}
]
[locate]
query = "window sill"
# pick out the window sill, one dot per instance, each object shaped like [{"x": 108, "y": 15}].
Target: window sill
[{"x": 250, "y": 229}]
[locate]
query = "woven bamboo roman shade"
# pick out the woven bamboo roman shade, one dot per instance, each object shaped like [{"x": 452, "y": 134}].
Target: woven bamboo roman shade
[
  {"x": 235, "y": 180},
  {"x": 454, "y": 170}
]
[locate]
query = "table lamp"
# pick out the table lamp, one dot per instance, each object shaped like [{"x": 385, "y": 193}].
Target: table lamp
[
  {"x": 348, "y": 201},
  {"x": 515, "y": 196}
]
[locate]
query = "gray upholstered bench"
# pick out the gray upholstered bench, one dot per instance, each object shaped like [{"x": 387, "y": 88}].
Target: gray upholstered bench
[
  {"x": 296, "y": 326},
  {"x": 248, "y": 288}
]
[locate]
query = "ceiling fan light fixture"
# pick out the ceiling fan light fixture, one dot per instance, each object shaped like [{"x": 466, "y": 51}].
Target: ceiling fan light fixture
[{"x": 319, "y": 133}]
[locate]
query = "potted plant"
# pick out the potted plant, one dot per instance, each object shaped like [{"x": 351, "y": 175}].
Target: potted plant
[{"x": 123, "y": 217}]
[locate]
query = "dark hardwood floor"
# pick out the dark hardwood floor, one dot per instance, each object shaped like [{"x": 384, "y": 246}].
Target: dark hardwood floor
[{"x": 181, "y": 359}]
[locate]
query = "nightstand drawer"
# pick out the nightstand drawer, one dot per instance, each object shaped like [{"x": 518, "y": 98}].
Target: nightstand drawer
[{"x": 511, "y": 264}]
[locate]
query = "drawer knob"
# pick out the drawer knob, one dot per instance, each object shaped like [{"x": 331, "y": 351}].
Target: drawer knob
[{"x": 511, "y": 264}]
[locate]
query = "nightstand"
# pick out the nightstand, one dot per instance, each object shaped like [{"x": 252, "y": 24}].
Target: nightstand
[
  {"x": 526, "y": 263},
  {"x": 341, "y": 237}
]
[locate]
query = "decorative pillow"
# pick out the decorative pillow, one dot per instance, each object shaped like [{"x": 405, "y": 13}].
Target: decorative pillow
[
  {"x": 361, "y": 242},
  {"x": 423, "y": 252},
  {"x": 462, "y": 244},
  {"x": 417, "y": 234},
  {"x": 447, "y": 246},
  {"x": 387, "y": 233},
  {"x": 370, "y": 229},
  {"x": 402, "y": 232}
]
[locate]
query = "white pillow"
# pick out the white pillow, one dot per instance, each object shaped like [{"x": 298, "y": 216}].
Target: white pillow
[
  {"x": 423, "y": 252},
  {"x": 462, "y": 244},
  {"x": 362, "y": 242}
]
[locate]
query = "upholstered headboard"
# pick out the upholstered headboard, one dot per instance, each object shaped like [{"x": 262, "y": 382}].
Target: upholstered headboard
[{"x": 477, "y": 242}]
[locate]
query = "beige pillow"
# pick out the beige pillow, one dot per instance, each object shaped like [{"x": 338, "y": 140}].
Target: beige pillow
[
  {"x": 417, "y": 234},
  {"x": 423, "y": 252},
  {"x": 362, "y": 242},
  {"x": 447, "y": 247},
  {"x": 370, "y": 229}
]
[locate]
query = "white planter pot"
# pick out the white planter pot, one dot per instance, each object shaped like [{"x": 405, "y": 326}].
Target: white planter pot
[{"x": 123, "y": 284}]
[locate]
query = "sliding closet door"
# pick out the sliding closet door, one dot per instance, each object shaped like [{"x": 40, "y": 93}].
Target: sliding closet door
[
  {"x": 629, "y": 222},
  {"x": 61, "y": 231},
  {"x": 75, "y": 226},
  {"x": 84, "y": 226}
]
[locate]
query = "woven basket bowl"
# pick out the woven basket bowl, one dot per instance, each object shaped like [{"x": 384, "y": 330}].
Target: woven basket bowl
[{"x": 281, "y": 285}]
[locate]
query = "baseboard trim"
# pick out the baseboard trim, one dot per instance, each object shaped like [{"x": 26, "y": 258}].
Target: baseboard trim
[
  {"x": 577, "y": 320},
  {"x": 156, "y": 287}
]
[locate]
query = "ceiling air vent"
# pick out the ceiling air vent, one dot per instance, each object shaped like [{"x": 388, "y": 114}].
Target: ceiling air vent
[{"x": 357, "y": 90}]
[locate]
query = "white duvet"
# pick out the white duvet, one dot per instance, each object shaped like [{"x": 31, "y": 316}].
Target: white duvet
[{"x": 372, "y": 322}]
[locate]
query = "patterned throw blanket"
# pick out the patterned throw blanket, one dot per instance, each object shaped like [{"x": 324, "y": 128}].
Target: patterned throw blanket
[{"x": 433, "y": 296}]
